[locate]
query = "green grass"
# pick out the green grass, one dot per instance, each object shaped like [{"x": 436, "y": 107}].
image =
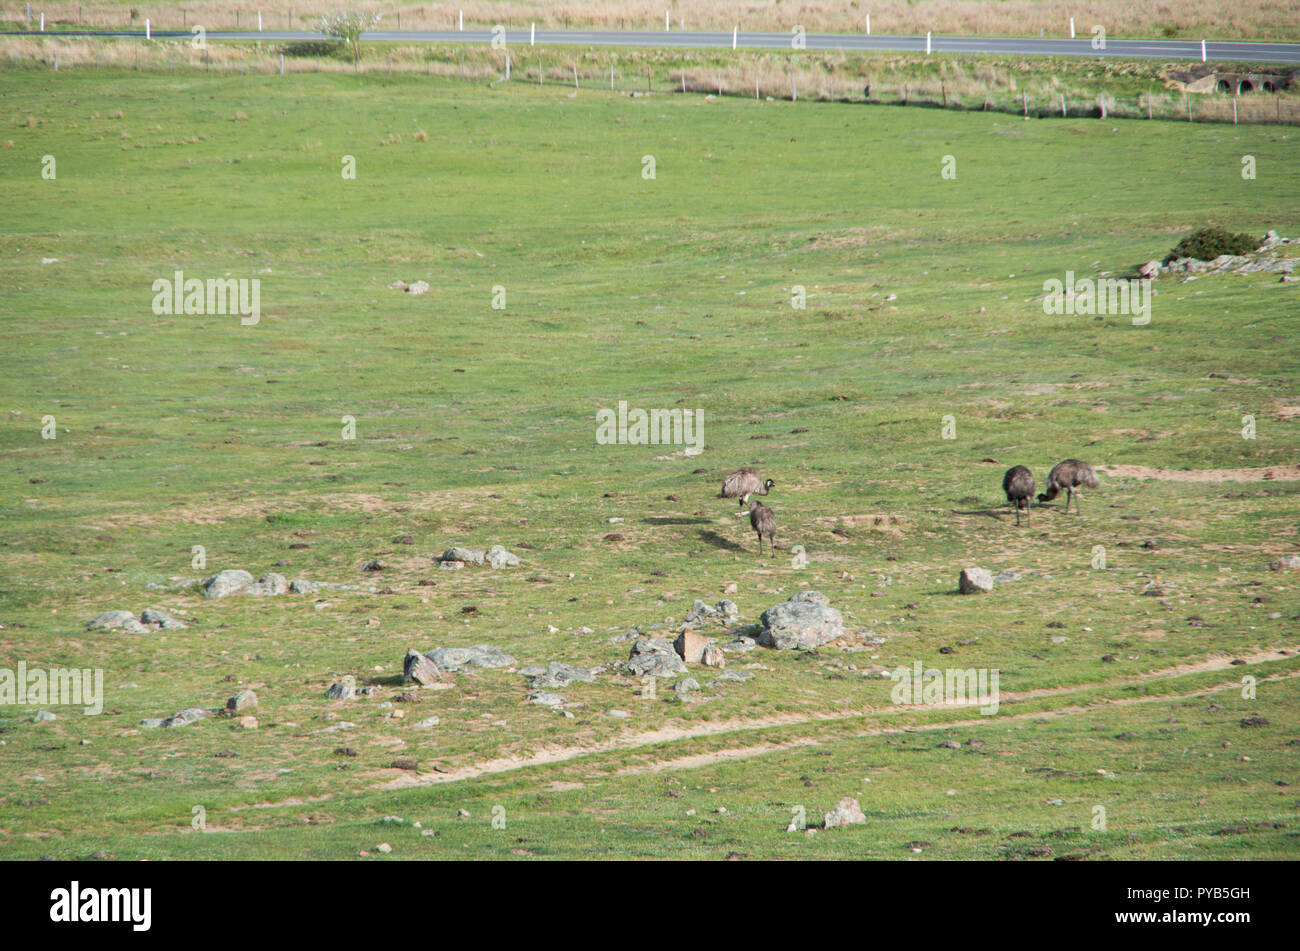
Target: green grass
[{"x": 476, "y": 426}]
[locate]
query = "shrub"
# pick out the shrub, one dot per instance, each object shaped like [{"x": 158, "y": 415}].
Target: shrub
[{"x": 1206, "y": 244}]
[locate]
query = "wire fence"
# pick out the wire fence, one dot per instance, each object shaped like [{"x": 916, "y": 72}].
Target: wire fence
[{"x": 762, "y": 82}]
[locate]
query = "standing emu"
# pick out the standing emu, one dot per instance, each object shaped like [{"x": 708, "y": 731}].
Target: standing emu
[
  {"x": 763, "y": 522},
  {"x": 1018, "y": 484},
  {"x": 743, "y": 483},
  {"x": 1069, "y": 475}
]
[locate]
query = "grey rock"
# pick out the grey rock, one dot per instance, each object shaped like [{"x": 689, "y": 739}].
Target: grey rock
[
  {"x": 804, "y": 622},
  {"x": 683, "y": 686},
  {"x": 740, "y": 645},
  {"x": 557, "y": 675},
  {"x": 451, "y": 565},
  {"x": 1004, "y": 576},
  {"x": 533, "y": 670},
  {"x": 975, "y": 581},
  {"x": 545, "y": 698},
  {"x": 713, "y": 657},
  {"x": 303, "y": 586},
  {"x": 846, "y": 812},
  {"x": 725, "y": 612},
  {"x": 43, "y": 716},
  {"x": 114, "y": 619},
  {"x": 498, "y": 557},
  {"x": 183, "y": 718},
  {"x": 654, "y": 657},
  {"x": 738, "y": 676},
  {"x": 427, "y": 723},
  {"x": 156, "y": 618},
  {"x": 419, "y": 287},
  {"x": 225, "y": 583},
  {"x": 480, "y": 655},
  {"x": 618, "y": 714},
  {"x": 345, "y": 689},
  {"x": 244, "y": 700},
  {"x": 1286, "y": 563},
  {"x": 468, "y": 555},
  {"x": 269, "y": 585},
  {"x": 419, "y": 668}
]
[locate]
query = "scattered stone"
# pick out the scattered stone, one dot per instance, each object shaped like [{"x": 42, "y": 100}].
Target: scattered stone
[
  {"x": 1004, "y": 576},
  {"x": 654, "y": 657},
  {"x": 419, "y": 668},
  {"x": 121, "y": 620},
  {"x": 419, "y": 287},
  {"x": 373, "y": 565},
  {"x": 44, "y": 716},
  {"x": 248, "y": 723},
  {"x": 225, "y": 583},
  {"x": 557, "y": 675},
  {"x": 454, "y": 659},
  {"x": 736, "y": 676},
  {"x": 464, "y": 555},
  {"x": 740, "y": 645},
  {"x": 183, "y": 718},
  {"x": 846, "y": 812},
  {"x": 451, "y": 565},
  {"x": 427, "y": 723},
  {"x": 1286, "y": 563},
  {"x": 804, "y": 622},
  {"x": 684, "y": 686},
  {"x": 1254, "y": 721},
  {"x": 713, "y": 657},
  {"x": 975, "y": 581},
  {"x": 244, "y": 700},
  {"x": 619, "y": 714}
]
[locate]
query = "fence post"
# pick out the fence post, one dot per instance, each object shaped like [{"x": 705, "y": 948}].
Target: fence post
[
  {"x": 794, "y": 93},
  {"x": 575, "y": 77},
  {"x": 281, "y": 64},
  {"x": 611, "y": 77},
  {"x": 1148, "y": 104},
  {"x": 1234, "y": 110},
  {"x": 1024, "y": 96},
  {"x": 1062, "y": 105}
]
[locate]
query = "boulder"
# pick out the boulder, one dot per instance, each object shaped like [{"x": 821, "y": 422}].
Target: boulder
[
  {"x": 690, "y": 646},
  {"x": 1286, "y": 563},
  {"x": 119, "y": 620},
  {"x": 846, "y": 812},
  {"x": 225, "y": 583},
  {"x": 805, "y": 622},
  {"x": 654, "y": 657},
  {"x": 480, "y": 655},
  {"x": 244, "y": 700},
  {"x": 345, "y": 689},
  {"x": 546, "y": 699},
  {"x": 183, "y": 718},
  {"x": 155, "y": 618},
  {"x": 1151, "y": 269},
  {"x": 713, "y": 657},
  {"x": 498, "y": 557},
  {"x": 419, "y": 668},
  {"x": 470, "y": 555},
  {"x": 303, "y": 586},
  {"x": 975, "y": 581},
  {"x": 419, "y": 287},
  {"x": 557, "y": 675},
  {"x": 269, "y": 585}
]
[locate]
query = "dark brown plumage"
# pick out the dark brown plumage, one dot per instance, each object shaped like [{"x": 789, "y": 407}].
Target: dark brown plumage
[
  {"x": 743, "y": 483},
  {"x": 763, "y": 522},
  {"x": 1018, "y": 484},
  {"x": 1069, "y": 475}
]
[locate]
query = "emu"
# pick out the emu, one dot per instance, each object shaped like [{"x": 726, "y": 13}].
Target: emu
[
  {"x": 763, "y": 522},
  {"x": 1069, "y": 475},
  {"x": 1018, "y": 484},
  {"x": 743, "y": 483}
]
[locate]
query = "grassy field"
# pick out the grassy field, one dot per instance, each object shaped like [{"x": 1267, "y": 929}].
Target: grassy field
[{"x": 476, "y": 426}]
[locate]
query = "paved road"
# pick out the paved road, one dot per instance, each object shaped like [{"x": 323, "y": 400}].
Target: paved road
[{"x": 1118, "y": 49}]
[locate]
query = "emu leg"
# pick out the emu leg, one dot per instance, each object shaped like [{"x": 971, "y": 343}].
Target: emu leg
[{"x": 1028, "y": 522}]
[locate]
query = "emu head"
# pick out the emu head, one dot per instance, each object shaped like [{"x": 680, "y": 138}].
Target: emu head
[{"x": 768, "y": 484}]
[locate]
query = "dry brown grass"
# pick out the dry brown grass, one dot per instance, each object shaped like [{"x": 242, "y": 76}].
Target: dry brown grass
[{"x": 1222, "y": 19}]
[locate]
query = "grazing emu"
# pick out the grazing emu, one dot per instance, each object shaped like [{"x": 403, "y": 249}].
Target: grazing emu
[
  {"x": 764, "y": 523},
  {"x": 743, "y": 483},
  {"x": 1069, "y": 475},
  {"x": 1018, "y": 484}
]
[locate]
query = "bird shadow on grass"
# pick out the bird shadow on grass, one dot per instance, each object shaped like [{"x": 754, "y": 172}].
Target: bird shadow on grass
[
  {"x": 717, "y": 541},
  {"x": 675, "y": 520},
  {"x": 987, "y": 513}
]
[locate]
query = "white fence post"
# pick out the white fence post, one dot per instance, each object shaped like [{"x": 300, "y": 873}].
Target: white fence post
[
  {"x": 259, "y": 21},
  {"x": 1071, "y": 27},
  {"x": 1202, "y": 51},
  {"x": 735, "y": 34},
  {"x": 532, "y": 35},
  {"x": 927, "y": 44},
  {"x": 148, "y": 33},
  {"x": 868, "y": 24}
]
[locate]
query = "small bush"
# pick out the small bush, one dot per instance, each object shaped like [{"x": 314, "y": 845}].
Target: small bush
[
  {"x": 1206, "y": 244},
  {"x": 309, "y": 49}
]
